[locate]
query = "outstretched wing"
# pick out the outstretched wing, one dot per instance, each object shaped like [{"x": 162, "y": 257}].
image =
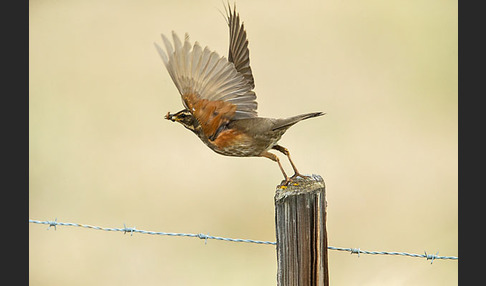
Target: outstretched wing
[
  {"x": 211, "y": 87},
  {"x": 238, "y": 47}
]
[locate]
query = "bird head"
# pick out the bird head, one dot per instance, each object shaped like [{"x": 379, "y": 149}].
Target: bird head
[{"x": 184, "y": 117}]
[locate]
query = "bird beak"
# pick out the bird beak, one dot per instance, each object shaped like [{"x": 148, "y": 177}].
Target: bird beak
[{"x": 169, "y": 116}]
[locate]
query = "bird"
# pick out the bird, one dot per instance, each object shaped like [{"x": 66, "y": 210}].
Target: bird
[{"x": 219, "y": 102}]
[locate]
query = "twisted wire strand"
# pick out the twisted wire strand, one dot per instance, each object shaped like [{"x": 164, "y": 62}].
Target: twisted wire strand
[{"x": 133, "y": 230}]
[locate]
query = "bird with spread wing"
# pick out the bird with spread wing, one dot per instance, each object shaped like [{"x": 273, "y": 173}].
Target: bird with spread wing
[{"x": 219, "y": 101}]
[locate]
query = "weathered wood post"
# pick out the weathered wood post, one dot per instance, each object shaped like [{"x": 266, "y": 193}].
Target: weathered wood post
[{"x": 300, "y": 217}]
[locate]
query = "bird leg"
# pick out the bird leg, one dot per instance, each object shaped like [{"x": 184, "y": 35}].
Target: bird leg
[
  {"x": 287, "y": 153},
  {"x": 274, "y": 157}
]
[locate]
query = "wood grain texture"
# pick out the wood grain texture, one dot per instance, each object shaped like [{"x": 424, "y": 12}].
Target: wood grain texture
[{"x": 300, "y": 215}]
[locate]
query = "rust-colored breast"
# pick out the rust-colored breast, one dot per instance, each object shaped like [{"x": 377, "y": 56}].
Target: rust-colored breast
[
  {"x": 233, "y": 142},
  {"x": 228, "y": 138}
]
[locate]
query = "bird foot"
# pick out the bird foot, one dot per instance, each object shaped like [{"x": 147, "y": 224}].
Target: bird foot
[
  {"x": 296, "y": 175},
  {"x": 292, "y": 180}
]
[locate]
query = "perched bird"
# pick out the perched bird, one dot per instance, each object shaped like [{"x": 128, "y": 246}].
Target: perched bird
[{"x": 219, "y": 104}]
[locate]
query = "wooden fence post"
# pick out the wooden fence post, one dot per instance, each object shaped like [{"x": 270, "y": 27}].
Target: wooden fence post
[{"x": 300, "y": 217}]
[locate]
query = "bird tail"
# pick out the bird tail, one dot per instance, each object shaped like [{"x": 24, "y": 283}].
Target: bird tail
[{"x": 287, "y": 122}]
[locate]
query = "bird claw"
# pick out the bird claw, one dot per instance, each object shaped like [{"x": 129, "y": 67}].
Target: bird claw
[
  {"x": 297, "y": 175},
  {"x": 290, "y": 180}
]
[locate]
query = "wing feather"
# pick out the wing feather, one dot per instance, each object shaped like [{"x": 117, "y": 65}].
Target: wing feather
[
  {"x": 239, "y": 53},
  {"x": 207, "y": 81},
  {"x": 214, "y": 89}
]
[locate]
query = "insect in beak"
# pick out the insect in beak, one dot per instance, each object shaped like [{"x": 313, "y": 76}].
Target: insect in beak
[{"x": 169, "y": 116}]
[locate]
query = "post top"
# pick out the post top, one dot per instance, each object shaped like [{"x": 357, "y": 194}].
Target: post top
[{"x": 300, "y": 185}]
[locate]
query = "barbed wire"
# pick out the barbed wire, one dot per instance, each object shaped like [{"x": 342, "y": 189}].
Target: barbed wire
[{"x": 133, "y": 230}]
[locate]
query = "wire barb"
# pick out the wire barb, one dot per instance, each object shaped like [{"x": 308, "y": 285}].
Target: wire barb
[
  {"x": 52, "y": 223},
  {"x": 128, "y": 229},
  {"x": 431, "y": 257},
  {"x": 355, "y": 250},
  {"x": 132, "y": 230},
  {"x": 204, "y": 236}
]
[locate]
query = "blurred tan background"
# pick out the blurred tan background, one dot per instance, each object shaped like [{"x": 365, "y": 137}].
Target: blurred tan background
[{"x": 385, "y": 72}]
